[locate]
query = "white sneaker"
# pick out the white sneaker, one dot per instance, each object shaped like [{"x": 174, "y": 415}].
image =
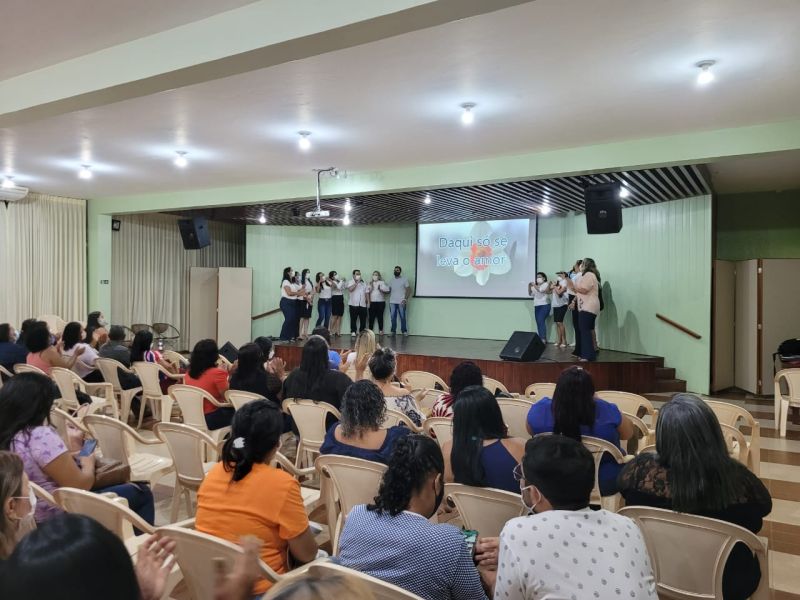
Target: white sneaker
[
  {"x": 405, "y": 334},
  {"x": 352, "y": 334}
]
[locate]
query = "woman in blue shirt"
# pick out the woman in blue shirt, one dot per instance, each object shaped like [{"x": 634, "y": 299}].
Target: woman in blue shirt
[
  {"x": 574, "y": 411},
  {"x": 359, "y": 434}
]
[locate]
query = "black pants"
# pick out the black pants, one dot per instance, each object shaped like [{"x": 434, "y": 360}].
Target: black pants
[
  {"x": 358, "y": 313},
  {"x": 576, "y": 327},
  {"x": 376, "y": 310}
]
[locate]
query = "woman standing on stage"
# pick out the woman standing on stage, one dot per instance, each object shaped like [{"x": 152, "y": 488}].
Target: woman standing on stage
[
  {"x": 323, "y": 290},
  {"x": 289, "y": 305},
  {"x": 587, "y": 287},
  {"x": 573, "y": 306},
  {"x": 559, "y": 303},
  {"x": 337, "y": 303},
  {"x": 540, "y": 290},
  {"x": 377, "y": 300},
  {"x": 306, "y": 302}
]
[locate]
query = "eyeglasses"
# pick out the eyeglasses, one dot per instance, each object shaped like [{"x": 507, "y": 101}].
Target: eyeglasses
[{"x": 518, "y": 474}]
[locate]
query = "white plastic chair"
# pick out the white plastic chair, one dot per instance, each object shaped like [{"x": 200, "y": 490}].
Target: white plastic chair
[
  {"x": 109, "y": 368},
  {"x": 439, "y": 428},
  {"x": 635, "y": 405},
  {"x": 689, "y": 552},
  {"x": 734, "y": 416},
  {"x": 62, "y": 421},
  {"x": 309, "y": 416},
  {"x": 190, "y": 399},
  {"x": 395, "y": 417},
  {"x": 493, "y": 385},
  {"x": 26, "y": 368},
  {"x": 177, "y": 359},
  {"x": 238, "y": 398},
  {"x": 598, "y": 448},
  {"x": 417, "y": 380},
  {"x": 4, "y": 373},
  {"x": 486, "y": 510},
  {"x": 537, "y": 391},
  {"x": 515, "y": 415},
  {"x": 118, "y": 440},
  {"x": 55, "y": 324},
  {"x": 426, "y": 401},
  {"x": 791, "y": 377},
  {"x": 68, "y": 381},
  {"x": 381, "y": 590},
  {"x": 160, "y": 403}
]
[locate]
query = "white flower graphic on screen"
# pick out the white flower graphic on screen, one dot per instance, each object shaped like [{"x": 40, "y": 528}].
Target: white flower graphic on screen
[{"x": 485, "y": 256}]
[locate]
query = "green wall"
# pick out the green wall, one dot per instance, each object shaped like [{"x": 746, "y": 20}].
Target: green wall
[
  {"x": 659, "y": 262},
  {"x": 758, "y": 225}
]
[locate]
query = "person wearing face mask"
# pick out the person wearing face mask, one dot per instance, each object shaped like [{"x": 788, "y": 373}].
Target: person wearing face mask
[
  {"x": 559, "y": 303},
  {"x": 322, "y": 288},
  {"x": 251, "y": 375},
  {"x": 540, "y": 291},
  {"x": 96, "y": 330},
  {"x": 394, "y": 540},
  {"x": 337, "y": 303},
  {"x": 358, "y": 303},
  {"x": 11, "y": 353},
  {"x": 587, "y": 289},
  {"x": 17, "y": 500},
  {"x": 587, "y": 554},
  {"x": 377, "y": 300},
  {"x": 398, "y": 300},
  {"x": 573, "y": 275},
  {"x": 289, "y": 305},
  {"x": 305, "y": 302}
]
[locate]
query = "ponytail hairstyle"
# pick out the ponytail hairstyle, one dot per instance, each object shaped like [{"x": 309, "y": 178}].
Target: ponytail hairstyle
[
  {"x": 476, "y": 417},
  {"x": 573, "y": 403},
  {"x": 414, "y": 458},
  {"x": 255, "y": 434}
]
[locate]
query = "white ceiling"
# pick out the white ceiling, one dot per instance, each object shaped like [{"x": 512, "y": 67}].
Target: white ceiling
[
  {"x": 544, "y": 75},
  {"x": 774, "y": 172},
  {"x": 38, "y": 33}
]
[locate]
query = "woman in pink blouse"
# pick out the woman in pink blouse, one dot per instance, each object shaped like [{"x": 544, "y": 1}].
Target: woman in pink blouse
[{"x": 587, "y": 289}]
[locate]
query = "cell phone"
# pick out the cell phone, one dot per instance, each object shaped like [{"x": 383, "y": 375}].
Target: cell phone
[
  {"x": 88, "y": 447},
  {"x": 471, "y": 538}
]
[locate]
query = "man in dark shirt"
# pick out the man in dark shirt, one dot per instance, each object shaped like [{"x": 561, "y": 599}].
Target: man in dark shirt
[
  {"x": 114, "y": 348},
  {"x": 11, "y": 353}
]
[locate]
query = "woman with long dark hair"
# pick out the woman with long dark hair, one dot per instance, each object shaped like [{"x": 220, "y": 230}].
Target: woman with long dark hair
[
  {"x": 42, "y": 354},
  {"x": 290, "y": 291},
  {"x": 323, "y": 290},
  {"x": 305, "y": 302},
  {"x": 383, "y": 539},
  {"x": 85, "y": 365},
  {"x": 540, "y": 290},
  {"x": 587, "y": 289},
  {"x": 251, "y": 376},
  {"x": 96, "y": 330},
  {"x": 481, "y": 452},
  {"x": 464, "y": 374},
  {"x": 337, "y": 302},
  {"x": 574, "y": 411},
  {"x": 692, "y": 472},
  {"x": 206, "y": 375},
  {"x": 244, "y": 495}
]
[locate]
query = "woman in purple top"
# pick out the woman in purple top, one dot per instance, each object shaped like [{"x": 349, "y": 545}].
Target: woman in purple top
[
  {"x": 359, "y": 434},
  {"x": 574, "y": 411}
]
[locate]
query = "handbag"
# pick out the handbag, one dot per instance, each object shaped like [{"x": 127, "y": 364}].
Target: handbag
[{"x": 108, "y": 472}]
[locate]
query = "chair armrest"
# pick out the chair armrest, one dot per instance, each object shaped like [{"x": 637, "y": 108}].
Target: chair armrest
[
  {"x": 185, "y": 524},
  {"x": 107, "y": 387},
  {"x": 143, "y": 440},
  {"x": 175, "y": 376},
  {"x": 217, "y": 403},
  {"x": 289, "y": 467}
]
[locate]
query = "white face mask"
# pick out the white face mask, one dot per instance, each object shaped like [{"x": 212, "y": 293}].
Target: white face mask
[
  {"x": 531, "y": 508},
  {"x": 357, "y": 277},
  {"x": 375, "y": 278},
  {"x": 272, "y": 354},
  {"x": 102, "y": 322},
  {"x": 539, "y": 280},
  {"x": 291, "y": 274},
  {"x": 32, "y": 499}
]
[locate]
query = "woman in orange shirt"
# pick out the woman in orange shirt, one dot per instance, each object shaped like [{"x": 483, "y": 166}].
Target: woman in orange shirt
[
  {"x": 244, "y": 495},
  {"x": 204, "y": 373}
]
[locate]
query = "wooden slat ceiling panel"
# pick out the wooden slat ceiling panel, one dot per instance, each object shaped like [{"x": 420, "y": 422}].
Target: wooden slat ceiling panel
[{"x": 515, "y": 199}]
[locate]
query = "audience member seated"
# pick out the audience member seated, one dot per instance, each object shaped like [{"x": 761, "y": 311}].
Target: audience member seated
[
  {"x": 464, "y": 375},
  {"x": 42, "y": 354},
  {"x": 334, "y": 358},
  {"x": 394, "y": 540},
  {"x": 313, "y": 380},
  {"x": 24, "y": 329},
  {"x": 141, "y": 351},
  {"x": 251, "y": 376},
  {"x": 11, "y": 353},
  {"x": 692, "y": 472},
  {"x": 481, "y": 453},
  {"x": 365, "y": 347},
  {"x": 574, "y": 411},
  {"x": 383, "y": 366},
  {"x": 96, "y": 332},
  {"x": 275, "y": 366},
  {"x": 25, "y": 404},
  {"x": 17, "y": 503},
  {"x": 84, "y": 366},
  {"x": 204, "y": 374},
  {"x": 116, "y": 350},
  {"x": 333, "y": 586},
  {"x": 565, "y": 549},
  {"x": 244, "y": 495},
  {"x": 73, "y": 557},
  {"x": 359, "y": 433}
]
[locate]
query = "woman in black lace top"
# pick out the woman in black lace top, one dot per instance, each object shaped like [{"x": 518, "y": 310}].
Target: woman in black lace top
[{"x": 693, "y": 473}]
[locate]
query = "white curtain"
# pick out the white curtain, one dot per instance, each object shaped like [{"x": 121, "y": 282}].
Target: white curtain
[
  {"x": 43, "y": 262},
  {"x": 150, "y": 269}
]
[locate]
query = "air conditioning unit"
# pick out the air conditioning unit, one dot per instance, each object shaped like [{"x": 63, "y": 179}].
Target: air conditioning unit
[{"x": 12, "y": 194}]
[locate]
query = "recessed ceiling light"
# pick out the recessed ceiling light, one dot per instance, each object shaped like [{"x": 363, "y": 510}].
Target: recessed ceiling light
[
  {"x": 181, "y": 160},
  {"x": 346, "y": 220},
  {"x": 544, "y": 209},
  {"x": 347, "y": 206},
  {"x": 262, "y": 219},
  {"x": 427, "y": 199},
  {"x": 706, "y": 75},
  {"x": 8, "y": 182},
  {"x": 467, "y": 116},
  {"x": 85, "y": 172},
  {"x": 624, "y": 192},
  {"x": 304, "y": 143}
]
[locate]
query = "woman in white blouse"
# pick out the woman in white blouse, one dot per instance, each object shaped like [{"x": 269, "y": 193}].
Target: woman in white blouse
[
  {"x": 305, "y": 301},
  {"x": 337, "y": 303},
  {"x": 559, "y": 301},
  {"x": 84, "y": 366},
  {"x": 587, "y": 288},
  {"x": 289, "y": 305},
  {"x": 540, "y": 291},
  {"x": 377, "y": 300},
  {"x": 324, "y": 293}
]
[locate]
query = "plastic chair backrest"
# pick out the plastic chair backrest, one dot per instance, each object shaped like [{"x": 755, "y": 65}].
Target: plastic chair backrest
[
  {"x": 55, "y": 324},
  {"x": 598, "y": 448},
  {"x": 190, "y": 399},
  {"x": 187, "y": 447},
  {"x": 198, "y": 555},
  {"x": 792, "y": 379},
  {"x": 112, "y": 436},
  {"x": 416, "y": 380},
  {"x": 441, "y": 428},
  {"x": 148, "y": 375},
  {"x": 537, "y": 391},
  {"x": 26, "y": 368},
  {"x": 108, "y": 368},
  {"x": 67, "y": 381},
  {"x": 5, "y": 373},
  {"x": 176, "y": 358},
  {"x": 114, "y": 514},
  {"x": 395, "y": 417},
  {"x": 493, "y": 385},
  {"x": 381, "y": 590},
  {"x": 629, "y": 403},
  {"x": 223, "y": 363},
  {"x": 669, "y": 534},
  {"x": 61, "y": 420},
  {"x": 485, "y": 510},
  {"x": 309, "y": 416},
  {"x": 238, "y": 398},
  {"x": 515, "y": 415},
  {"x": 427, "y": 401},
  {"x": 736, "y": 443},
  {"x": 731, "y": 414},
  {"x": 43, "y": 494}
]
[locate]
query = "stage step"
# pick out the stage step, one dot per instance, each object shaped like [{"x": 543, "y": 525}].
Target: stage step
[
  {"x": 665, "y": 373},
  {"x": 670, "y": 385}
]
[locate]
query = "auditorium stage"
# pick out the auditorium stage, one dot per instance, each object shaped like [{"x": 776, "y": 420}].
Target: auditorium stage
[{"x": 613, "y": 370}]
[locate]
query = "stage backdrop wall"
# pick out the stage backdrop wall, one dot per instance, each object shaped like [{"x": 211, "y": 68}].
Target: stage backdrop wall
[{"x": 659, "y": 262}]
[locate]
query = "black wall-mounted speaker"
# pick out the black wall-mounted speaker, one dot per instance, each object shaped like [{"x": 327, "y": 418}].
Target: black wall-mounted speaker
[
  {"x": 194, "y": 233},
  {"x": 603, "y": 208}
]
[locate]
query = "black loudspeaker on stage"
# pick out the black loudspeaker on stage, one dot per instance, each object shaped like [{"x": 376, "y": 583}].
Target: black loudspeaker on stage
[
  {"x": 523, "y": 346},
  {"x": 194, "y": 233},
  {"x": 603, "y": 208}
]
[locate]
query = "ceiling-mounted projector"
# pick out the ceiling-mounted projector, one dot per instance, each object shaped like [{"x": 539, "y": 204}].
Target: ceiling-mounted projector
[{"x": 318, "y": 213}]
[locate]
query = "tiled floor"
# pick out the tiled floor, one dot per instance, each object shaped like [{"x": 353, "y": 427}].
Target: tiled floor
[{"x": 780, "y": 470}]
